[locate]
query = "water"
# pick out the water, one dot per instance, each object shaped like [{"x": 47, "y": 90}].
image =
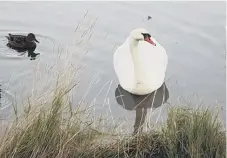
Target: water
[{"x": 193, "y": 34}]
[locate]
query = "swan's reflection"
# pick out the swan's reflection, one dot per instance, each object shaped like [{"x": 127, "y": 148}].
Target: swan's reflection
[{"x": 140, "y": 103}]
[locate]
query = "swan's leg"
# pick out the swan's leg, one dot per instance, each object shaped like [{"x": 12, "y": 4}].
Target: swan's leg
[{"x": 140, "y": 119}]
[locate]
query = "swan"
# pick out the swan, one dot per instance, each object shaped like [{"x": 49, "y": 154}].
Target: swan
[{"x": 140, "y": 63}]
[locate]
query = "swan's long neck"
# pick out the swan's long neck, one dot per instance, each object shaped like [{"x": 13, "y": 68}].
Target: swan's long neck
[{"x": 134, "y": 52}]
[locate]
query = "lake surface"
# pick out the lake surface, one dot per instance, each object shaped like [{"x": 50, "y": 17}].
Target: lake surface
[{"x": 86, "y": 34}]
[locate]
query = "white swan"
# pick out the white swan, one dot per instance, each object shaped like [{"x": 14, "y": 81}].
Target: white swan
[{"x": 140, "y": 63}]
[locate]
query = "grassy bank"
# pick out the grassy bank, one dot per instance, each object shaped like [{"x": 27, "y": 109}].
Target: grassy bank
[{"x": 60, "y": 132}]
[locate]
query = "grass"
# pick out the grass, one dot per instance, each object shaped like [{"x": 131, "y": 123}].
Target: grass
[
  {"x": 55, "y": 130},
  {"x": 61, "y": 132}
]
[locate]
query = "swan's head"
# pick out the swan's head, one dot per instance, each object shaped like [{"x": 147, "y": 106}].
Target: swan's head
[{"x": 141, "y": 34}]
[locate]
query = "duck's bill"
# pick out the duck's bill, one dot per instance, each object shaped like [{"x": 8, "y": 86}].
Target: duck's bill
[{"x": 36, "y": 40}]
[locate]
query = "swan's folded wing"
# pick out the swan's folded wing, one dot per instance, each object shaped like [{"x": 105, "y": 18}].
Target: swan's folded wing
[{"x": 123, "y": 66}]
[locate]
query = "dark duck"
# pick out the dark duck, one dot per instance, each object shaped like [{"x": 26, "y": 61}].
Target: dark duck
[{"x": 22, "y": 43}]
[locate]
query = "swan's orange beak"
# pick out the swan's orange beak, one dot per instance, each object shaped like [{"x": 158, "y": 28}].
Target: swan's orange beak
[{"x": 149, "y": 41}]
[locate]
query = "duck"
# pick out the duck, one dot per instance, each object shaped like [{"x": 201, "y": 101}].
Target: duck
[
  {"x": 23, "y": 43},
  {"x": 140, "y": 63}
]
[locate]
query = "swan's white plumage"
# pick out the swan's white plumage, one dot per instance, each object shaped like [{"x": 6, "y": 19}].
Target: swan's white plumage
[{"x": 153, "y": 62}]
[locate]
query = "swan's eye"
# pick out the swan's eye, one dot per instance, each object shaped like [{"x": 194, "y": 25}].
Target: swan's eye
[{"x": 145, "y": 35}]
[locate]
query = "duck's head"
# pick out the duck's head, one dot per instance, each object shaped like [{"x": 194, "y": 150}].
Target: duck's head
[
  {"x": 31, "y": 38},
  {"x": 141, "y": 34}
]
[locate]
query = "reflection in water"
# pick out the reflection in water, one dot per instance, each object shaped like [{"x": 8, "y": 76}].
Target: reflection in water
[
  {"x": 23, "y": 51},
  {"x": 140, "y": 103}
]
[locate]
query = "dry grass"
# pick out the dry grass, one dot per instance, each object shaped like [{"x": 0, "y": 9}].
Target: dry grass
[
  {"x": 63, "y": 133},
  {"x": 55, "y": 130}
]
